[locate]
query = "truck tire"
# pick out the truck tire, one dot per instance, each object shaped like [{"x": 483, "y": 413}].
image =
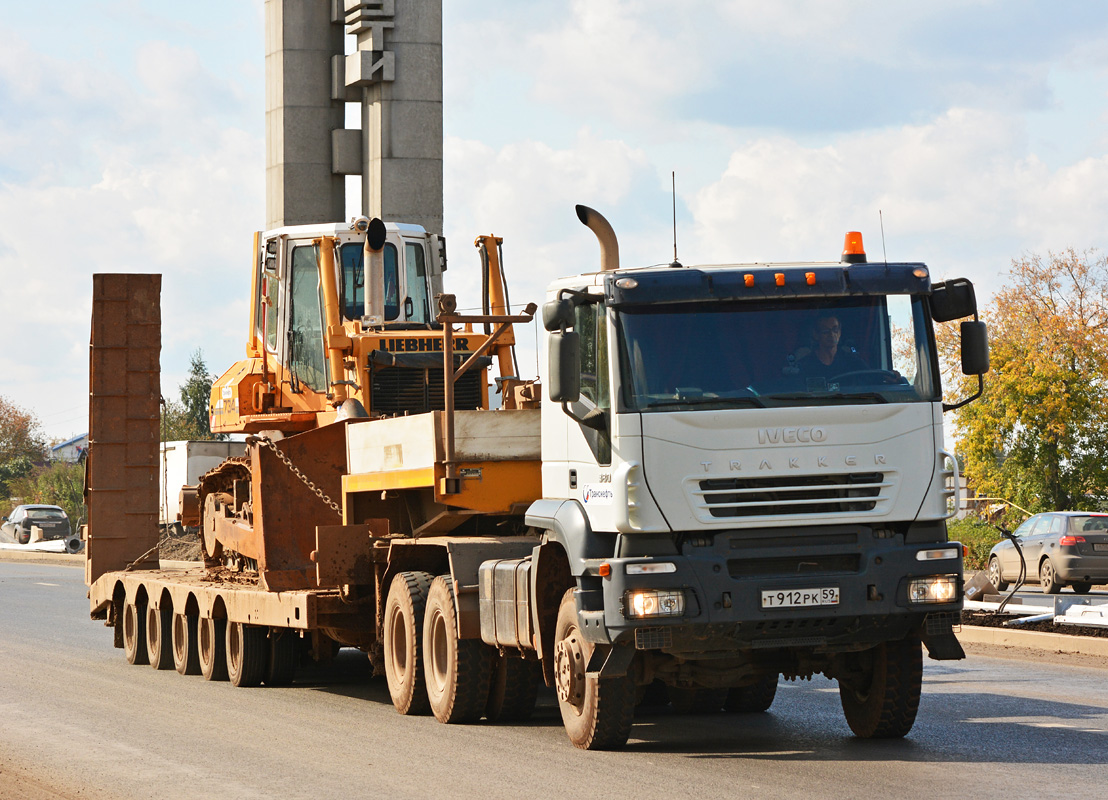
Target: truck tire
[
  {"x": 456, "y": 671},
  {"x": 247, "y": 653},
  {"x": 597, "y": 714},
  {"x": 159, "y": 637},
  {"x": 881, "y": 702},
  {"x": 186, "y": 650},
  {"x": 402, "y": 634},
  {"x": 698, "y": 700},
  {"x": 513, "y": 690},
  {"x": 283, "y": 657},
  {"x": 756, "y": 697},
  {"x": 210, "y": 636},
  {"x": 134, "y": 633}
]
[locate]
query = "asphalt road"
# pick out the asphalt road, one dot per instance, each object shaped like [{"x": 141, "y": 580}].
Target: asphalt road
[{"x": 77, "y": 721}]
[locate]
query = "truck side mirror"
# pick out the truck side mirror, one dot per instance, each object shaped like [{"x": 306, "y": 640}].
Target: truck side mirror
[
  {"x": 975, "y": 348},
  {"x": 558, "y": 314},
  {"x": 565, "y": 366},
  {"x": 953, "y": 300}
]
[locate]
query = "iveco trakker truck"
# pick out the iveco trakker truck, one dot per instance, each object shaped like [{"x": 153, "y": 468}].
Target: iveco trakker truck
[{"x": 735, "y": 473}]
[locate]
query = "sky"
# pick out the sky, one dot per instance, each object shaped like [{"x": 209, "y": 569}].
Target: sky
[{"x": 960, "y": 133}]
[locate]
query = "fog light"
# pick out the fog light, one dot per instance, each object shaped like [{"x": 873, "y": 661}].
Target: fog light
[
  {"x": 934, "y": 589},
  {"x": 655, "y": 603}
]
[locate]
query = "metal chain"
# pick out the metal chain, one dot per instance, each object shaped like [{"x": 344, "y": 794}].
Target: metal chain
[{"x": 265, "y": 441}]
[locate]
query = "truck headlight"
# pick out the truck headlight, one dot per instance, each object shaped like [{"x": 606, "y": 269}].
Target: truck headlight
[
  {"x": 655, "y": 603},
  {"x": 933, "y": 589}
]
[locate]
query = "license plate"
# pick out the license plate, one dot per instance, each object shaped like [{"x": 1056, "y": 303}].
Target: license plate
[
  {"x": 800, "y": 598},
  {"x": 1101, "y": 548}
]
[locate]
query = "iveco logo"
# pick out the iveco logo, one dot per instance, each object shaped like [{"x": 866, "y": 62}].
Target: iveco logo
[{"x": 791, "y": 435}]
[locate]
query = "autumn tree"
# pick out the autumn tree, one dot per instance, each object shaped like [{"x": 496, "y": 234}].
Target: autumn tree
[
  {"x": 1038, "y": 435},
  {"x": 22, "y": 444},
  {"x": 188, "y": 419}
]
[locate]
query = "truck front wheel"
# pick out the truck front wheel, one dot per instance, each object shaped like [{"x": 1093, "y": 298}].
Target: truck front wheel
[
  {"x": 880, "y": 696},
  {"x": 456, "y": 670},
  {"x": 597, "y": 714},
  {"x": 403, "y": 630}
]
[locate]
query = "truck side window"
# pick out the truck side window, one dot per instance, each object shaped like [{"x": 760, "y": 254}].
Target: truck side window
[
  {"x": 590, "y": 324},
  {"x": 272, "y": 286},
  {"x": 306, "y": 357},
  {"x": 415, "y": 279},
  {"x": 353, "y": 280},
  {"x": 392, "y": 283}
]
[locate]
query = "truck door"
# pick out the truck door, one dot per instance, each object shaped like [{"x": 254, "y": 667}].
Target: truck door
[
  {"x": 306, "y": 361},
  {"x": 416, "y": 306},
  {"x": 590, "y": 449}
]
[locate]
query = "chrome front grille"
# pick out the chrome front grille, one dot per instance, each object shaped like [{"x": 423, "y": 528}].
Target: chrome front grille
[{"x": 792, "y": 495}]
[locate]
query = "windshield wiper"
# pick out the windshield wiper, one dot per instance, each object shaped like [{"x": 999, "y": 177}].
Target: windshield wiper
[
  {"x": 754, "y": 402},
  {"x": 876, "y": 397}
]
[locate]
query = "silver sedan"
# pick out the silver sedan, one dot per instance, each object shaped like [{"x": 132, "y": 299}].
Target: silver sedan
[{"x": 1061, "y": 548}]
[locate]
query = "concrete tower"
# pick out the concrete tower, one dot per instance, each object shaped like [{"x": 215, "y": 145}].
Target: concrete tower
[{"x": 395, "y": 74}]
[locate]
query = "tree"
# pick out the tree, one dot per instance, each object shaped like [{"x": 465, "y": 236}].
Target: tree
[
  {"x": 1038, "y": 435},
  {"x": 22, "y": 444},
  {"x": 189, "y": 419}
]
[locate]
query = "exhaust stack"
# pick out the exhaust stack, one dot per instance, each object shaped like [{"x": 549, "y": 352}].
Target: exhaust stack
[{"x": 609, "y": 245}]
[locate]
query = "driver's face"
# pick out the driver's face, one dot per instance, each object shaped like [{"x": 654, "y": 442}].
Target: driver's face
[{"x": 828, "y": 331}]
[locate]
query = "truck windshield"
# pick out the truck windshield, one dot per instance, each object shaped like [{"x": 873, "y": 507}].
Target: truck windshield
[{"x": 744, "y": 354}]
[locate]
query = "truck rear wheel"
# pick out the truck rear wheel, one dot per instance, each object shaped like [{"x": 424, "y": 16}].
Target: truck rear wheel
[
  {"x": 756, "y": 697},
  {"x": 213, "y": 653},
  {"x": 597, "y": 714},
  {"x": 159, "y": 639},
  {"x": 186, "y": 651},
  {"x": 134, "y": 633},
  {"x": 247, "y": 653},
  {"x": 283, "y": 656},
  {"x": 402, "y": 634},
  {"x": 513, "y": 690},
  {"x": 881, "y": 699},
  {"x": 456, "y": 670}
]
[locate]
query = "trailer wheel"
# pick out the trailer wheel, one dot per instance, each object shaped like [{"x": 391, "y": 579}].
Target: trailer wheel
[
  {"x": 756, "y": 697},
  {"x": 513, "y": 690},
  {"x": 186, "y": 650},
  {"x": 210, "y": 636},
  {"x": 134, "y": 633},
  {"x": 456, "y": 671},
  {"x": 402, "y": 634},
  {"x": 283, "y": 656},
  {"x": 247, "y": 654},
  {"x": 881, "y": 702},
  {"x": 597, "y": 714},
  {"x": 159, "y": 638},
  {"x": 696, "y": 701}
]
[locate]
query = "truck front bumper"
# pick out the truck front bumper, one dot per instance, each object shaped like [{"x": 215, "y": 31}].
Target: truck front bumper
[{"x": 718, "y": 598}]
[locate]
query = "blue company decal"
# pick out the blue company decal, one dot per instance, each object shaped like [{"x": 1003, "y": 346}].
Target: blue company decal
[{"x": 597, "y": 495}]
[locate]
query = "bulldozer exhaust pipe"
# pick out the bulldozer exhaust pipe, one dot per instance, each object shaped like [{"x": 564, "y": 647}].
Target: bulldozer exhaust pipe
[{"x": 609, "y": 245}]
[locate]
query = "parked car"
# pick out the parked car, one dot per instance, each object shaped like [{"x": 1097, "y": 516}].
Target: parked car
[
  {"x": 1061, "y": 548},
  {"x": 52, "y": 520}
]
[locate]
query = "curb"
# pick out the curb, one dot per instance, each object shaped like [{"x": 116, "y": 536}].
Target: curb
[{"x": 1035, "y": 640}]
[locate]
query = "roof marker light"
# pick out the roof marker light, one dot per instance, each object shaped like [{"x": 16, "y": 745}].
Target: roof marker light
[
  {"x": 810, "y": 277},
  {"x": 779, "y": 278},
  {"x": 853, "y": 251},
  {"x": 748, "y": 279}
]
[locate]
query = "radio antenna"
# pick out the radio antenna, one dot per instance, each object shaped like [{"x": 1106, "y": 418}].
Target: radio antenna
[
  {"x": 673, "y": 185},
  {"x": 881, "y": 219}
]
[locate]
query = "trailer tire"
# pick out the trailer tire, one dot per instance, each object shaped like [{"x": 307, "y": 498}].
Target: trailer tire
[
  {"x": 134, "y": 633},
  {"x": 159, "y": 637},
  {"x": 210, "y": 636},
  {"x": 186, "y": 650},
  {"x": 247, "y": 654},
  {"x": 884, "y": 706},
  {"x": 455, "y": 670},
  {"x": 597, "y": 714},
  {"x": 513, "y": 689},
  {"x": 283, "y": 657},
  {"x": 402, "y": 638},
  {"x": 756, "y": 697}
]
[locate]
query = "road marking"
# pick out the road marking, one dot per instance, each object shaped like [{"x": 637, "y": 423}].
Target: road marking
[{"x": 45, "y": 584}]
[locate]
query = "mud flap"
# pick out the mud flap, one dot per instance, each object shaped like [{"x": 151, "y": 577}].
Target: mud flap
[{"x": 610, "y": 662}]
